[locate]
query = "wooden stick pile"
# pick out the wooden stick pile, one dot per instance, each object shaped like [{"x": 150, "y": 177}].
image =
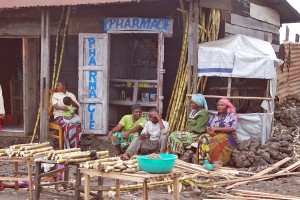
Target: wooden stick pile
[
  {"x": 252, "y": 195},
  {"x": 27, "y": 150},
  {"x": 74, "y": 155},
  {"x": 112, "y": 164}
]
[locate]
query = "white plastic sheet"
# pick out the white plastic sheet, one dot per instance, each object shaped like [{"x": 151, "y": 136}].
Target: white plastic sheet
[
  {"x": 258, "y": 125},
  {"x": 242, "y": 56},
  {"x": 237, "y": 56}
]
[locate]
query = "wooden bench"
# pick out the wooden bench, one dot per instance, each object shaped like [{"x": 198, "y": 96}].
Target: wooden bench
[{"x": 118, "y": 176}]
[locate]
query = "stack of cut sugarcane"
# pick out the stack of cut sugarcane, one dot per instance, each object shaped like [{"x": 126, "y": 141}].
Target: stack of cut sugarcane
[
  {"x": 27, "y": 150},
  {"x": 74, "y": 155},
  {"x": 112, "y": 164}
]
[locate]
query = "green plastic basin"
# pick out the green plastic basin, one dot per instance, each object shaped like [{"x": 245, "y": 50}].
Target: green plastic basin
[{"x": 157, "y": 166}]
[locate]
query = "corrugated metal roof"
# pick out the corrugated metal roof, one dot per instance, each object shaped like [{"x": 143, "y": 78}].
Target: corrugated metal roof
[{"x": 6, "y": 4}]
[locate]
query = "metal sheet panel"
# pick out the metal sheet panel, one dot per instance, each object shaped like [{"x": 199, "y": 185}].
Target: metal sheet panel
[
  {"x": 45, "y": 3},
  {"x": 288, "y": 83}
]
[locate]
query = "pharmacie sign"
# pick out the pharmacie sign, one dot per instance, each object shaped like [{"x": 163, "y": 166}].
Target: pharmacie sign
[{"x": 138, "y": 24}]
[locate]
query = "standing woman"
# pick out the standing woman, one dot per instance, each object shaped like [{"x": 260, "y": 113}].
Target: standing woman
[
  {"x": 216, "y": 146},
  {"x": 72, "y": 131},
  {"x": 2, "y": 110},
  {"x": 196, "y": 125}
]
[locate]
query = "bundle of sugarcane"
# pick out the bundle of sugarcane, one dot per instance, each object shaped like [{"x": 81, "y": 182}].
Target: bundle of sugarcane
[
  {"x": 74, "y": 155},
  {"x": 112, "y": 164},
  {"x": 208, "y": 31},
  {"x": 27, "y": 150}
]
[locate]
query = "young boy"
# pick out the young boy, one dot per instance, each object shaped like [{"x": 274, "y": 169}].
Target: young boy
[
  {"x": 69, "y": 115},
  {"x": 153, "y": 137}
]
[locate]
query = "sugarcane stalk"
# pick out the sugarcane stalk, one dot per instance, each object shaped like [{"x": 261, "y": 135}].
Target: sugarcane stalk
[
  {"x": 102, "y": 153},
  {"x": 73, "y": 160},
  {"x": 130, "y": 170},
  {"x": 180, "y": 68},
  {"x": 108, "y": 168},
  {"x": 56, "y": 46},
  {"x": 63, "y": 45},
  {"x": 36, "y": 123},
  {"x": 46, "y": 144}
]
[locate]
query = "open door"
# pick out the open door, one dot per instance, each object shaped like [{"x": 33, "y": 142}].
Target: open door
[
  {"x": 93, "y": 82},
  {"x": 30, "y": 86}
]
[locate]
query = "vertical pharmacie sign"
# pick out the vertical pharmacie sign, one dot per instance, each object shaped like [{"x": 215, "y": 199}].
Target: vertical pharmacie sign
[
  {"x": 93, "y": 82},
  {"x": 139, "y": 24}
]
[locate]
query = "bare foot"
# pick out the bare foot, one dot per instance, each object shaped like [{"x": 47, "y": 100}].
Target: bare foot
[{"x": 125, "y": 156}]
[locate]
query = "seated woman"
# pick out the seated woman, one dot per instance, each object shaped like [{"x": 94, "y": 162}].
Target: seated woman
[
  {"x": 196, "y": 124},
  {"x": 216, "y": 146},
  {"x": 128, "y": 128},
  {"x": 72, "y": 131}
]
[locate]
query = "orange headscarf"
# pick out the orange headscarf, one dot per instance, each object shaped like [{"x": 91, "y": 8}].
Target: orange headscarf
[{"x": 230, "y": 107}]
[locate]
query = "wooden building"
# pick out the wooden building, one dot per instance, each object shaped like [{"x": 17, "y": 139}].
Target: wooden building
[{"x": 136, "y": 65}]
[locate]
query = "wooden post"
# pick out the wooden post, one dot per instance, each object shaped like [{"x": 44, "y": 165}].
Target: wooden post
[
  {"x": 193, "y": 48},
  {"x": 29, "y": 166},
  {"x": 145, "y": 190},
  {"x": 78, "y": 183},
  {"x": 229, "y": 87},
  {"x": 176, "y": 187},
  {"x": 287, "y": 33},
  {"x": 37, "y": 180},
  {"x": 297, "y": 38},
  {"x": 87, "y": 182},
  {"x": 118, "y": 189},
  {"x": 160, "y": 72},
  {"x": 195, "y": 45},
  {"x": 16, "y": 174},
  {"x": 45, "y": 69},
  {"x": 100, "y": 192}
]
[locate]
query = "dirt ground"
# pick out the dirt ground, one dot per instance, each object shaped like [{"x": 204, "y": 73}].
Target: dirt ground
[
  {"x": 284, "y": 186},
  {"x": 287, "y": 116}
]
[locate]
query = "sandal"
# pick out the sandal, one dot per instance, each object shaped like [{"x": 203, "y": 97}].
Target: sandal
[{"x": 217, "y": 164}]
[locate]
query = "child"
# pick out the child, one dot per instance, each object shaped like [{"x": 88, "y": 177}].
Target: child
[{"x": 69, "y": 115}]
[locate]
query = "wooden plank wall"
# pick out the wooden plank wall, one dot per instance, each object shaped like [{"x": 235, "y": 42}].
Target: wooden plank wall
[
  {"x": 288, "y": 75},
  {"x": 251, "y": 19}
]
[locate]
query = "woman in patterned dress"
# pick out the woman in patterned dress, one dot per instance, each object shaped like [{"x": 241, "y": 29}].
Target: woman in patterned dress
[
  {"x": 217, "y": 144},
  {"x": 196, "y": 125}
]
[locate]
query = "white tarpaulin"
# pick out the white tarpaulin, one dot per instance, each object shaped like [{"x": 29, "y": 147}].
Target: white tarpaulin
[
  {"x": 237, "y": 56},
  {"x": 242, "y": 56}
]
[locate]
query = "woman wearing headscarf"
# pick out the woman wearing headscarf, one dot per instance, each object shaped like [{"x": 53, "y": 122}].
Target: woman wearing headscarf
[
  {"x": 196, "y": 125},
  {"x": 217, "y": 144}
]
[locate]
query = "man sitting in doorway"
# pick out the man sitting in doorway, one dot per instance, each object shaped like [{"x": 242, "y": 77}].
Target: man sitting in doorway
[
  {"x": 128, "y": 128},
  {"x": 152, "y": 138}
]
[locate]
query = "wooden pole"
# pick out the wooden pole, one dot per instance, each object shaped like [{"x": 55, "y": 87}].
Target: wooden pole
[{"x": 45, "y": 70}]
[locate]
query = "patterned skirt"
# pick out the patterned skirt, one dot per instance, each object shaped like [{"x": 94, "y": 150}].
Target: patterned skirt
[
  {"x": 117, "y": 138},
  {"x": 178, "y": 140},
  {"x": 72, "y": 133},
  {"x": 217, "y": 148}
]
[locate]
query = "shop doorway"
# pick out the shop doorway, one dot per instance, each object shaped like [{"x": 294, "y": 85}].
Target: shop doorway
[{"x": 19, "y": 81}]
